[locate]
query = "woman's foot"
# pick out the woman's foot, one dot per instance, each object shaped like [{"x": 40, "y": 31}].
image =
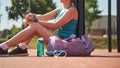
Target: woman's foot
[
  {"x": 3, "y": 53},
  {"x": 18, "y": 52}
]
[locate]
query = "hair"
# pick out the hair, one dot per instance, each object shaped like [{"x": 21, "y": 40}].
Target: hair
[{"x": 73, "y": 2}]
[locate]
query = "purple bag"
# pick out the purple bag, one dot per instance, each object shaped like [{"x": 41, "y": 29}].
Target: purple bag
[{"x": 73, "y": 46}]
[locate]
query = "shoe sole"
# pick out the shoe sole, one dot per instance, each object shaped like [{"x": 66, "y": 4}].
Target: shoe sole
[{"x": 25, "y": 54}]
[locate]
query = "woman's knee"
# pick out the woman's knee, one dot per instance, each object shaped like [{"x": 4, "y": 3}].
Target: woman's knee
[{"x": 35, "y": 25}]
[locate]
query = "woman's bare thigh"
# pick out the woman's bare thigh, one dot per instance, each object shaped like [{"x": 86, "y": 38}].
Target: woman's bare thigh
[{"x": 41, "y": 31}]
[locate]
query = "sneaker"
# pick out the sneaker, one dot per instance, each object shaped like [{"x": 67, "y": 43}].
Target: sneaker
[
  {"x": 49, "y": 53},
  {"x": 18, "y": 52},
  {"x": 3, "y": 53}
]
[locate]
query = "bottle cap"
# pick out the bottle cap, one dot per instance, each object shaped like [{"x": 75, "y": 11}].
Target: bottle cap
[{"x": 41, "y": 39}]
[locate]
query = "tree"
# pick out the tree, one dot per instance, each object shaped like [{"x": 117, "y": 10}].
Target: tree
[
  {"x": 5, "y": 32},
  {"x": 0, "y": 16},
  {"x": 91, "y": 12},
  {"x": 14, "y": 30},
  {"x": 21, "y": 7}
]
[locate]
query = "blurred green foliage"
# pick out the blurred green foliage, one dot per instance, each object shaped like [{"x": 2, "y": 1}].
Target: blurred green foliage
[
  {"x": 21, "y": 7},
  {"x": 92, "y": 12}
]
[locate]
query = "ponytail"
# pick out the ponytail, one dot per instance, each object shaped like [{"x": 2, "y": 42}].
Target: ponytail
[{"x": 74, "y": 3}]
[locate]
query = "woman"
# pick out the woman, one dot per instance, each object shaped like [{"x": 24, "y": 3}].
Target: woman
[{"x": 65, "y": 25}]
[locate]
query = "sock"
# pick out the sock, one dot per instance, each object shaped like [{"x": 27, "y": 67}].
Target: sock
[
  {"x": 4, "y": 46},
  {"x": 23, "y": 45}
]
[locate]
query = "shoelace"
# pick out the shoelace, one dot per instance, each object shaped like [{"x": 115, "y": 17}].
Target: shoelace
[{"x": 60, "y": 54}]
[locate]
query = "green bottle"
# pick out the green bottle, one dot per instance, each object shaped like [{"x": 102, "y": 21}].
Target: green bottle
[{"x": 40, "y": 48}]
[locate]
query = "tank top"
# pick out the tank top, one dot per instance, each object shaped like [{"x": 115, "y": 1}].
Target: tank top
[{"x": 68, "y": 29}]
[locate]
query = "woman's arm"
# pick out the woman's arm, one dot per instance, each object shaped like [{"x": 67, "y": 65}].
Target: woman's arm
[
  {"x": 45, "y": 17},
  {"x": 71, "y": 14},
  {"x": 49, "y": 15}
]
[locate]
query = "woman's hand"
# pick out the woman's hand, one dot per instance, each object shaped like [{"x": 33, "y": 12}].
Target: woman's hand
[{"x": 29, "y": 18}]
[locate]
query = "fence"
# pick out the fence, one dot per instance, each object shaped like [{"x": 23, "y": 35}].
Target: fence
[{"x": 81, "y": 26}]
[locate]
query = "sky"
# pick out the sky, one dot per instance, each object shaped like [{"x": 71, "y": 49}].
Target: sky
[{"x": 7, "y": 24}]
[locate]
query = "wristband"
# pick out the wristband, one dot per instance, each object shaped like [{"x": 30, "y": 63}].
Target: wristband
[{"x": 35, "y": 20}]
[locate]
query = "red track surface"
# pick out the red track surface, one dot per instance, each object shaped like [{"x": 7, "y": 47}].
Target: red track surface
[{"x": 98, "y": 59}]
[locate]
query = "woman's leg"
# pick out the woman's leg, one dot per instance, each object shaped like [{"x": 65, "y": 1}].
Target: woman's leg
[
  {"x": 24, "y": 44},
  {"x": 28, "y": 40},
  {"x": 33, "y": 29}
]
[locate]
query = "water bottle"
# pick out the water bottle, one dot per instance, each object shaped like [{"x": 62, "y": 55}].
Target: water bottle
[{"x": 40, "y": 47}]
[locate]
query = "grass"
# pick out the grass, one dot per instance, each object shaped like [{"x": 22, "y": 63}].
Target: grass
[
  {"x": 33, "y": 43},
  {"x": 102, "y": 43},
  {"x": 2, "y": 40}
]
